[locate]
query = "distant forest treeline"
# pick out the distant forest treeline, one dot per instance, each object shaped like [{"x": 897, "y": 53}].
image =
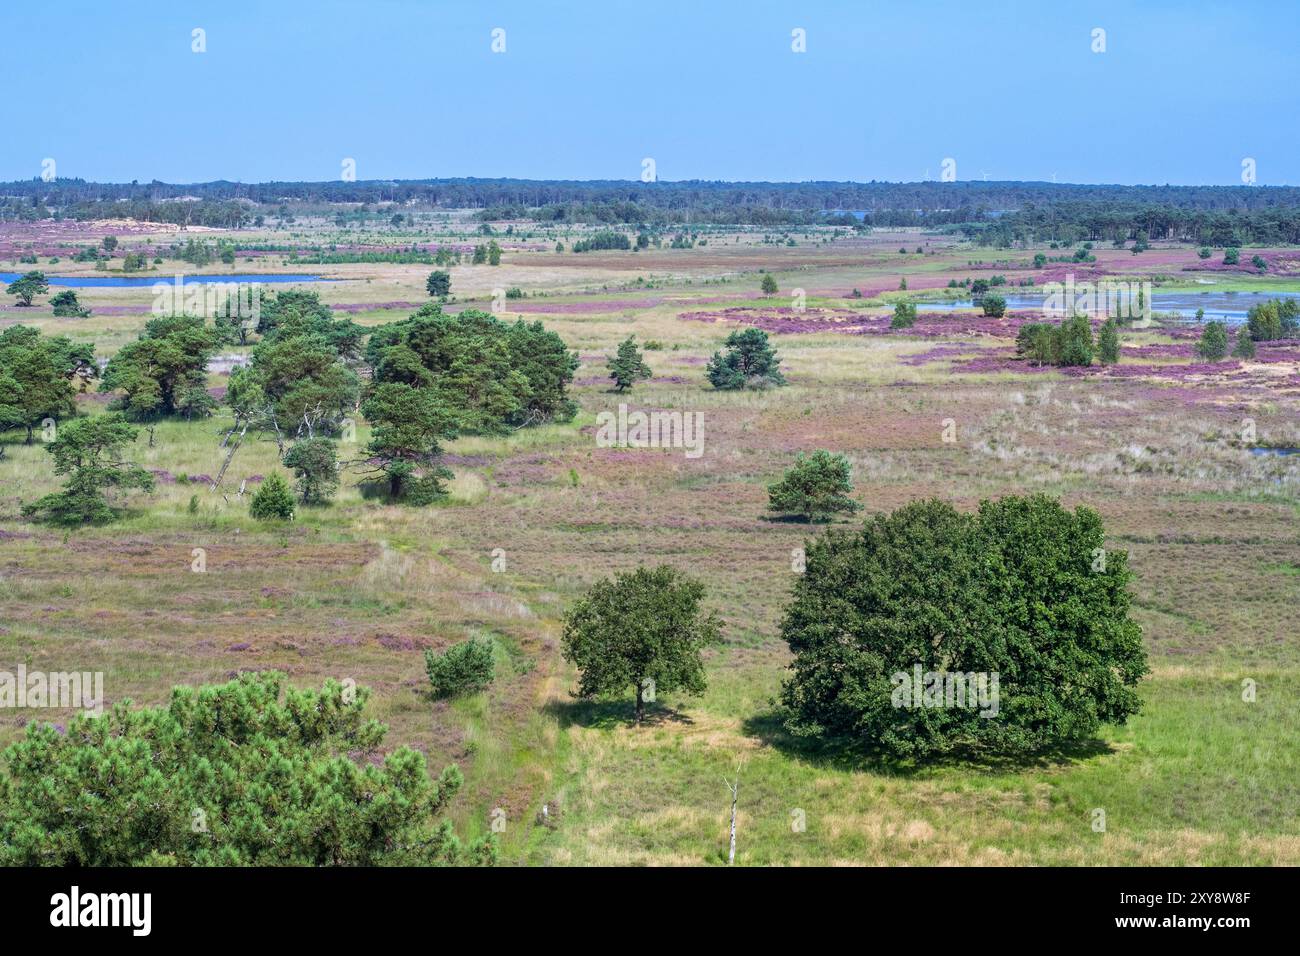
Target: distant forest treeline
[{"x": 993, "y": 212}]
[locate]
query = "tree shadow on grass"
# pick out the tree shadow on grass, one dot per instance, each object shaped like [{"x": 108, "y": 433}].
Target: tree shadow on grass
[
  {"x": 375, "y": 491},
  {"x": 607, "y": 714},
  {"x": 853, "y": 755}
]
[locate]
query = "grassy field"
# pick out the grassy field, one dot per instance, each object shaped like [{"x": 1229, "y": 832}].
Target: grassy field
[{"x": 359, "y": 588}]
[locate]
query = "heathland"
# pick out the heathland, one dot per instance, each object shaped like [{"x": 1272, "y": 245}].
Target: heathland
[{"x": 1180, "y": 456}]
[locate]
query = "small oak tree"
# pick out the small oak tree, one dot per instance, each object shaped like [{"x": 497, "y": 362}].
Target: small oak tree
[
  {"x": 640, "y": 630},
  {"x": 816, "y": 488}
]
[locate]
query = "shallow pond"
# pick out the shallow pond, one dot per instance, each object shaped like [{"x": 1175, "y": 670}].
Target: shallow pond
[
  {"x": 1229, "y": 307},
  {"x": 92, "y": 282}
]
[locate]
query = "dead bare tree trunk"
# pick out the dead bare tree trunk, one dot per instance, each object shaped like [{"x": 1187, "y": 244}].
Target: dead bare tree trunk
[
  {"x": 733, "y": 787},
  {"x": 216, "y": 482}
]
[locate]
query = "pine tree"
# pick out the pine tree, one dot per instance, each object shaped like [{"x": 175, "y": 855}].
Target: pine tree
[
  {"x": 1108, "y": 342},
  {"x": 1214, "y": 342},
  {"x": 1245, "y": 347},
  {"x": 748, "y": 362},
  {"x": 627, "y": 368}
]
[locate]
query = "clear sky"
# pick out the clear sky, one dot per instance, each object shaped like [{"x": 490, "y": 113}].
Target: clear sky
[{"x": 710, "y": 89}]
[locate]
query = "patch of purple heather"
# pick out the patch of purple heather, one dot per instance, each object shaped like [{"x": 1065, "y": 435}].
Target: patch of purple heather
[{"x": 583, "y": 308}]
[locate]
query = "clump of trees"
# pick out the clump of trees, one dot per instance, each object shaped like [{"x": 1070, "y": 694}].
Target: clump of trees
[
  {"x": 436, "y": 376},
  {"x": 1070, "y": 343},
  {"x": 40, "y": 377},
  {"x": 1273, "y": 320},
  {"x": 642, "y": 631},
  {"x": 163, "y": 372},
  {"x": 604, "y": 239},
  {"x": 628, "y": 366},
  {"x": 464, "y": 668},
  {"x": 492, "y": 375},
  {"x": 235, "y": 774},
  {"x": 746, "y": 361},
  {"x": 90, "y": 452},
  {"x": 816, "y": 488},
  {"x": 1023, "y": 591}
]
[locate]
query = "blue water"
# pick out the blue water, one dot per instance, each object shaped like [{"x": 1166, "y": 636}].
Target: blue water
[
  {"x": 1229, "y": 307},
  {"x": 1275, "y": 451},
  {"x": 92, "y": 282}
]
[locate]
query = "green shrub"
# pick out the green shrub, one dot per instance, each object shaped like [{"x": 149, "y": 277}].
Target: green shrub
[
  {"x": 1022, "y": 592},
  {"x": 994, "y": 306},
  {"x": 1072, "y": 342},
  {"x": 904, "y": 316},
  {"x": 438, "y": 284},
  {"x": 273, "y": 501},
  {"x": 464, "y": 668}
]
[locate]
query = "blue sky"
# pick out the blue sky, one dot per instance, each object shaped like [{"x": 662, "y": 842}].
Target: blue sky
[{"x": 710, "y": 89}]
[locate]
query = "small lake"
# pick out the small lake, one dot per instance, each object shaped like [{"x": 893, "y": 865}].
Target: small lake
[
  {"x": 1228, "y": 307},
  {"x": 1281, "y": 450},
  {"x": 93, "y": 282}
]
